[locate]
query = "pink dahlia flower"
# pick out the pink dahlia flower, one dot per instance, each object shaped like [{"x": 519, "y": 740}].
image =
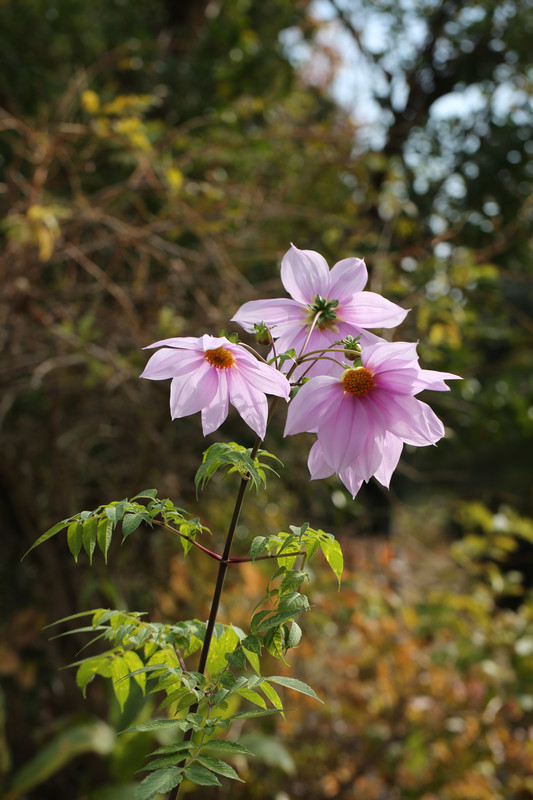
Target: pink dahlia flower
[
  {"x": 209, "y": 373},
  {"x": 335, "y": 295},
  {"x": 363, "y": 416}
]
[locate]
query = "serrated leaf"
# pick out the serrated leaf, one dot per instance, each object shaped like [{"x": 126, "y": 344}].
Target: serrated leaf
[
  {"x": 85, "y": 673},
  {"x": 59, "y": 526},
  {"x": 158, "y": 782},
  {"x": 256, "y": 712},
  {"x": 295, "y": 684},
  {"x": 236, "y": 659},
  {"x": 151, "y": 493},
  {"x": 75, "y": 538},
  {"x": 158, "y": 725},
  {"x": 333, "y": 555},
  {"x": 89, "y": 536},
  {"x": 177, "y": 747},
  {"x": 164, "y": 762},
  {"x": 274, "y": 643},
  {"x": 292, "y": 639},
  {"x": 104, "y": 532},
  {"x": 115, "y": 511},
  {"x": 121, "y": 680},
  {"x": 201, "y": 776},
  {"x": 130, "y": 523},
  {"x": 226, "y": 642},
  {"x": 226, "y": 746},
  {"x": 252, "y": 644},
  {"x": 258, "y": 545},
  {"x": 252, "y": 697},
  {"x": 220, "y": 767},
  {"x": 271, "y": 694},
  {"x": 134, "y": 663}
]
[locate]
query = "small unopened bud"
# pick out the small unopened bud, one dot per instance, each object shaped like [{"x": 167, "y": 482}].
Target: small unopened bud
[
  {"x": 352, "y": 348},
  {"x": 262, "y": 334},
  {"x": 351, "y": 355}
]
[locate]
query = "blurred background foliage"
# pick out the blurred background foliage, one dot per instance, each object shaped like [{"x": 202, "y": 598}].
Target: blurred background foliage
[{"x": 156, "y": 159}]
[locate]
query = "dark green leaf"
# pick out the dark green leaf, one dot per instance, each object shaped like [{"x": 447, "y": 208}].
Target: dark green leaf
[
  {"x": 75, "y": 538},
  {"x": 59, "y": 526},
  {"x": 89, "y": 536},
  {"x": 236, "y": 659},
  {"x": 104, "y": 533},
  {"x": 130, "y": 523},
  {"x": 226, "y": 746},
  {"x": 295, "y": 684},
  {"x": 220, "y": 767},
  {"x": 201, "y": 776},
  {"x": 158, "y": 782}
]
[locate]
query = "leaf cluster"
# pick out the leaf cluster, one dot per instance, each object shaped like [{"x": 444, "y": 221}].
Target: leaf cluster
[
  {"x": 87, "y": 529},
  {"x": 238, "y": 459}
]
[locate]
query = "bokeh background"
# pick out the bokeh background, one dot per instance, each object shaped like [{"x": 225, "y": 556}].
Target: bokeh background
[{"x": 156, "y": 159}]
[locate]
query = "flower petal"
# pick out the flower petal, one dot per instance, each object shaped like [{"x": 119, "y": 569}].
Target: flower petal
[
  {"x": 181, "y": 342},
  {"x": 263, "y": 377},
  {"x": 346, "y": 278},
  {"x": 351, "y": 480},
  {"x": 342, "y": 432},
  {"x": 434, "y": 380},
  {"x": 304, "y": 274},
  {"x": 279, "y": 314},
  {"x": 371, "y": 310},
  {"x": 313, "y": 401},
  {"x": 250, "y": 402},
  {"x": 189, "y": 393},
  {"x": 392, "y": 450},
  {"x": 170, "y": 363},
  {"x": 318, "y": 466},
  {"x": 409, "y": 418},
  {"x": 214, "y": 414}
]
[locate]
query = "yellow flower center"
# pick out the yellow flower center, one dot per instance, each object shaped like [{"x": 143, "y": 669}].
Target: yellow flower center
[
  {"x": 359, "y": 381},
  {"x": 220, "y": 358}
]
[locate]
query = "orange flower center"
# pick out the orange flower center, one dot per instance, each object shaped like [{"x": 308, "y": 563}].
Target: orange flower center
[
  {"x": 359, "y": 381},
  {"x": 220, "y": 358}
]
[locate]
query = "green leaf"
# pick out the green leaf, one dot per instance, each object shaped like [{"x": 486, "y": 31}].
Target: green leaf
[
  {"x": 252, "y": 643},
  {"x": 151, "y": 493},
  {"x": 295, "y": 684},
  {"x": 115, "y": 511},
  {"x": 158, "y": 782},
  {"x": 104, "y": 532},
  {"x": 220, "y": 767},
  {"x": 333, "y": 554},
  {"x": 177, "y": 747},
  {"x": 285, "y": 612},
  {"x": 59, "y": 526},
  {"x": 293, "y": 636},
  {"x": 86, "y": 672},
  {"x": 75, "y": 538},
  {"x": 226, "y": 746},
  {"x": 201, "y": 776},
  {"x": 236, "y": 659},
  {"x": 225, "y": 643},
  {"x": 130, "y": 523},
  {"x": 158, "y": 725},
  {"x": 252, "y": 697},
  {"x": 274, "y": 643},
  {"x": 257, "y": 712},
  {"x": 259, "y": 544},
  {"x": 121, "y": 680},
  {"x": 271, "y": 694},
  {"x": 134, "y": 664},
  {"x": 89, "y": 536}
]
